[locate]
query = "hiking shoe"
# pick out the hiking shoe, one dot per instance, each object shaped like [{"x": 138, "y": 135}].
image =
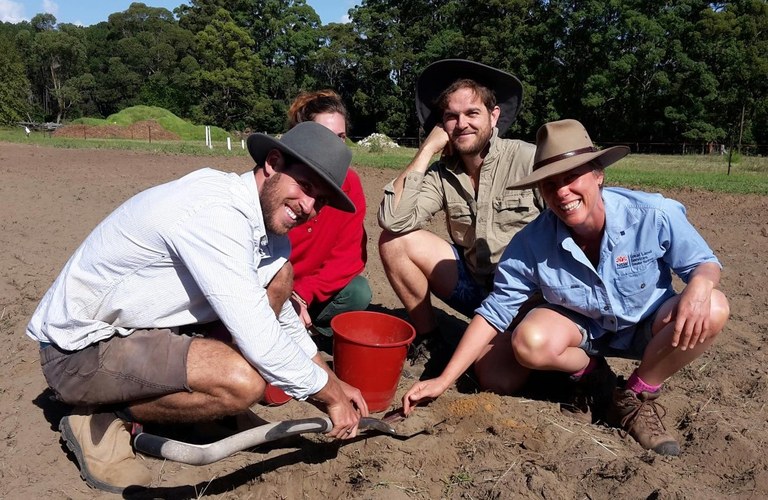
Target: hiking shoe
[
  {"x": 639, "y": 415},
  {"x": 589, "y": 396},
  {"x": 110, "y": 464}
]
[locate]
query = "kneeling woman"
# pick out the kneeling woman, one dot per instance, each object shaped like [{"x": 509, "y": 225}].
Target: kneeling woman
[{"x": 603, "y": 260}]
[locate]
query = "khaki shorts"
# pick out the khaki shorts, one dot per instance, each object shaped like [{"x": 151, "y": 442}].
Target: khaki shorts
[{"x": 145, "y": 364}]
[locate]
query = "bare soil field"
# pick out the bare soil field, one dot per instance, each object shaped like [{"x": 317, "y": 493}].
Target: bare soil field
[{"x": 475, "y": 445}]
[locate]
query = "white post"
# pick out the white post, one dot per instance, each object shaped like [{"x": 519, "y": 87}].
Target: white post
[
  {"x": 229, "y": 144},
  {"x": 242, "y": 143},
  {"x": 207, "y": 139}
]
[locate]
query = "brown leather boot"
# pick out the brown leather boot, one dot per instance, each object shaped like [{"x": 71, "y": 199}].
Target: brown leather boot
[
  {"x": 590, "y": 396},
  {"x": 108, "y": 464},
  {"x": 640, "y": 416}
]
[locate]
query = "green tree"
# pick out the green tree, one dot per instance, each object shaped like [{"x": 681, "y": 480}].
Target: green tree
[
  {"x": 333, "y": 62},
  {"x": 55, "y": 53},
  {"x": 382, "y": 100},
  {"x": 138, "y": 56},
  {"x": 14, "y": 85},
  {"x": 737, "y": 53},
  {"x": 225, "y": 81},
  {"x": 284, "y": 36}
]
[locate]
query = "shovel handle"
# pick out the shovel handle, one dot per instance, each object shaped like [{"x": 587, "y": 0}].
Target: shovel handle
[{"x": 203, "y": 454}]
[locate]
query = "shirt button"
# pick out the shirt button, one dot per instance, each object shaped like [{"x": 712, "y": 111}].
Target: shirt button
[
  {"x": 642, "y": 285},
  {"x": 606, "y": 308}
]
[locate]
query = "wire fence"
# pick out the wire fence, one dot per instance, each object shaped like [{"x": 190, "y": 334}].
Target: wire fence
[
  {"x": 660, "y": 148},
  {"x": 690, "y": 148}
]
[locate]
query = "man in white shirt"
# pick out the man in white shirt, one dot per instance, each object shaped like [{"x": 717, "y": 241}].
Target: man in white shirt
[{"x": 208, "y": 247}]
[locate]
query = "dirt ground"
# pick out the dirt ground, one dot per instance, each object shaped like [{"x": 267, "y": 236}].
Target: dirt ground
[{"x": 476, "y": 445}]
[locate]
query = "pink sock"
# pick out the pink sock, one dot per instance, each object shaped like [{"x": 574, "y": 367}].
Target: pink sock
[
  {"x": 587, "y": 369},
  {"x": 637, "y": 385}
]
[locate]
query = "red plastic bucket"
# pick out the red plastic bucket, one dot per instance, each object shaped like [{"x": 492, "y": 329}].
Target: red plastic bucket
[
  {"x": 369, "y": 350},
  {"x": 274, "y": 396}
]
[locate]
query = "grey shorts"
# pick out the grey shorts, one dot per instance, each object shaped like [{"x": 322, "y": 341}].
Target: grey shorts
[
  {"x": 145, "y": 364},
  {"x": 629, "y": 343}
]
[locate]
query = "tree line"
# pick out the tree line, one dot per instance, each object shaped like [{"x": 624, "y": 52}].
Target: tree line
[{"x": 630, "y": 70}]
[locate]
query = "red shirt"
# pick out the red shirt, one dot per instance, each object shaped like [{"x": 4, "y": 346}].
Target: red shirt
[{"x": 327, "y": 252}]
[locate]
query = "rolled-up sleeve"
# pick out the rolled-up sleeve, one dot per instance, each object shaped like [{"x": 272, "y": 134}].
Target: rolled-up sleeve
[
  {"x": 221, "y": 259},
  {"x": 514, "y": 282},
  {"x": 422, "y": 198}
]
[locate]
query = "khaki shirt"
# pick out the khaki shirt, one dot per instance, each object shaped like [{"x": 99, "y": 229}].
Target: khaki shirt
[{"x": 481, "y": 223}]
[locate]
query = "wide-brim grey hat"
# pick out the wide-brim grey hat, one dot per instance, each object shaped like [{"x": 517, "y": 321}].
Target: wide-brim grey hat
[
  {"x": 440, "y": 75},
  {"x": 318, "y": 148},
  {"x": 562, "y": 146}
]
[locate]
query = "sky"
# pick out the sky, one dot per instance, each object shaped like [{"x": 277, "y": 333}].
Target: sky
[{"x": 87, "y": 12}]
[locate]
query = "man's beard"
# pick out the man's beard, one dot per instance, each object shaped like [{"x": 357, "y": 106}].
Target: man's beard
[
  {"x": 477, "y": 146},
  {"x": 271, "y": 203}
]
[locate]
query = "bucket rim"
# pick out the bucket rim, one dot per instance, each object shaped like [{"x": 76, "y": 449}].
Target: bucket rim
[{"x": 372, "y": 344}]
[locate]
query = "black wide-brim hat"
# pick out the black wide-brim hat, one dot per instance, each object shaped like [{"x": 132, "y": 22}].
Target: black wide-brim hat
[
  {"x": 440, "y": 75},
  {"x": 316, "y": 147}
]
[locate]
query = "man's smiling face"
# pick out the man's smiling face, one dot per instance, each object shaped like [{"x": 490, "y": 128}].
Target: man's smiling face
[
  {"x": 291, "y": 196},
  {"x": 468, "y": 122}
]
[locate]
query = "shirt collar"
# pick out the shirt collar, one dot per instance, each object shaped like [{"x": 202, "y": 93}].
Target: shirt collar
[
  {"x": 249, "y": 179},
  {"x": 617, "y": 218}
]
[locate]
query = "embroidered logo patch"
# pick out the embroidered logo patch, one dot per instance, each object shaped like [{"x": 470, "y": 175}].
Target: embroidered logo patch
[{"x": 622, "y": 261}]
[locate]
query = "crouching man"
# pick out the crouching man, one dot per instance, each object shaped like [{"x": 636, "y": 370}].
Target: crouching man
[{"x": 208, "y": 247}]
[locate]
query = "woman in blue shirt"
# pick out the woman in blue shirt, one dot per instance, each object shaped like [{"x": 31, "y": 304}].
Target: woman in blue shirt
[{"x": 603, "y": 260}]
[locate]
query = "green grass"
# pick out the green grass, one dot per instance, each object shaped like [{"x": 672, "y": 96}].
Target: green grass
[
  {"x": 648, "y": 172},
  {"x": 394, "y": 158},
  {"x": 710, "y": 173},
  {"x": 188, "y": 147}
]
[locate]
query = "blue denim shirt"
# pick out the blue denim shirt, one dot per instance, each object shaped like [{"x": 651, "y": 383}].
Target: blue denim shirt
[{"x": 646, "y": 237}]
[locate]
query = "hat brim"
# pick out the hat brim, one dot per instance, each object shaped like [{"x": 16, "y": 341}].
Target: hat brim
[
  {"x": 440, "y": 75},
  {"x": 259, "y": 145},
  {"x": 602, "y": 159}
]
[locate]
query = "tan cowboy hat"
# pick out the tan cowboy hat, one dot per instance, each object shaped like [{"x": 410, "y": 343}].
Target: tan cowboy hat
[
  {"x": 440, "y": 75},
  {"x": 316, "y": 147},
  {"x": 562, "y": 146}
]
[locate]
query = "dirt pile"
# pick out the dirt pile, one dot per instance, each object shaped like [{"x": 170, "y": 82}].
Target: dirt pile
[{"x": 144, "y": 130}]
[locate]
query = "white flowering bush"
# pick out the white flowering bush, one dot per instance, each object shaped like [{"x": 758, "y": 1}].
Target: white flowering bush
[{"x": 377, "y": 142}]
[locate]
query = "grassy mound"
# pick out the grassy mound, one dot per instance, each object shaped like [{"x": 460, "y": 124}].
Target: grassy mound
[{"x": 170, "y": 122}]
